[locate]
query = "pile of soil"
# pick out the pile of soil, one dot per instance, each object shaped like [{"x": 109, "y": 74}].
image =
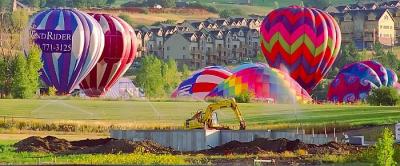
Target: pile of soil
[
  {"x": 46, "y": 144},
  {"x": 279, "y": 145},
  {"x": 104, "y": 146}
]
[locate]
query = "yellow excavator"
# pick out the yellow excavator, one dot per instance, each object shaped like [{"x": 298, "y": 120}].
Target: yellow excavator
[{"x": 209, "y": 120}]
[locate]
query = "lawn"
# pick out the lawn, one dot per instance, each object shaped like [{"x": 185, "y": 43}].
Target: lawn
[{"x": 145, "y": 114}]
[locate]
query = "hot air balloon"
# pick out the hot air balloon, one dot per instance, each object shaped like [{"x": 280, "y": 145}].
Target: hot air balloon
[
  {"x": 353, "y": 83},
  {"x": 201, "y": 82},
  {"x": 118, "y": 54},
  {"x": 71, "y": 43},
  {"x": 262, "y": 83},
  {"x": 392, "y": 77},
  {"x": 379, "y": 69},
  {"x": 304, "y": 41}
]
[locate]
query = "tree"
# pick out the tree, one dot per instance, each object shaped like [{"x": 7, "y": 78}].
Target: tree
[
  {"x": 225, "y": 13},
  {"x": 149, "y": 77},
  {"x": 34, "y": 64},
  {"x": 5, "y": 5},
  {"x": 171, "y": 76},
  {"x": 387, "y": 96},
  {"x": 384, "y": 149},
  {"x": 390, "y": 60},
  {"x": 56, "y": 3},
  {"x": 164, "y": 22},
  {"x": 110, "y": 2},
  {"x": 185, "y": 72},
  {"x": 20, "y": 81},
  {"x": 321, "y": 4}
]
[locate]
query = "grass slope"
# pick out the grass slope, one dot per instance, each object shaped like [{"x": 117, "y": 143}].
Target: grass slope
[{"x": 257, "y": 115}]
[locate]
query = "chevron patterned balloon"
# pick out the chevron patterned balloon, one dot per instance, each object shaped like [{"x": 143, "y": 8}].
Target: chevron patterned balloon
[
  {"x": 118, "y": 54},
  {"x": 71, "y": 43},
  {"x": 303, "y": 41}
]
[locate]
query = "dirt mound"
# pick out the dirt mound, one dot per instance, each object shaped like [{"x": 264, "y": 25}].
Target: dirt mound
[
  {"x": 46, "y": 144},
  {"x": 278, "y": 145},
  {"x": 91, "y": 142},
  {"x": 104, "y": 146}
]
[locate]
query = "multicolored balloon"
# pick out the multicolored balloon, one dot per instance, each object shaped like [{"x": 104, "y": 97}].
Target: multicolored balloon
[
  {"x": 118, "y": 54},
  {"x": 392, "y": 77},
  {"x": 71, "y": 43},
  {"x": 263, "y": 83},
  {"x": 304, "y": 41},
  {"x": 353, "y": 83},
  {"x": 199, "y": 85},
  {"x": 379, "y": 69}
]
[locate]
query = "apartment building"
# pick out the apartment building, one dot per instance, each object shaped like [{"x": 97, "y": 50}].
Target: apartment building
[
  {"x": 365, "y": 24},
  {"x": 213, "y": 41},
  {"x": 366, "y": 27}
]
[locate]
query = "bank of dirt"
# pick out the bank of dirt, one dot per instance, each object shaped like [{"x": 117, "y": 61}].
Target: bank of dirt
[
  {"x": 95, "y": 146},
  {"x": 55, "y": 145}
]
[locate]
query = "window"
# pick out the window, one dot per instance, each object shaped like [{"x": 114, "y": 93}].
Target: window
[
  {"x": 167, "y": 48},
  {"x": 183, "y": 48}
]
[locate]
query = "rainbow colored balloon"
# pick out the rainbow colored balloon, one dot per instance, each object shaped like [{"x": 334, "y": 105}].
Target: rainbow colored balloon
[
  {"x": 71, "y": 43},
  {"x": 304, "y": 41},
  {"x": 262, "y": 83},
  {"x": 201, "y": 82}
]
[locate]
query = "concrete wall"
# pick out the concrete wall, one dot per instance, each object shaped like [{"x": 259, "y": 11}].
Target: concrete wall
[{"x": 195, "y": 140}]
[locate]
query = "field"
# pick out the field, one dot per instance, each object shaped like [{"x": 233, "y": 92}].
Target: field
[{"x": 151, "y": 115}]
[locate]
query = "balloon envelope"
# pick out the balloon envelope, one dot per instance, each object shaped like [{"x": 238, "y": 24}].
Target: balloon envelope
[
  {"x": 118, "y": 54},
  {"x": 392, "y": 77},
  {"x": 263, "y": 83},
  {"x": 379, "y": 69},
  {"x": 304, "y": 41},
  {"x": 71, "y": 43},
  {"x": 353, "y": 83},
  {"x": 201, "y": 82}
]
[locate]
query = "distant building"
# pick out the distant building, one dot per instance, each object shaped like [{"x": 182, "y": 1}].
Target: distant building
[
  {"x": 365, "y": 24},
  {"x": 366, "y": 27},
  {"x": 199, "y": 43}
]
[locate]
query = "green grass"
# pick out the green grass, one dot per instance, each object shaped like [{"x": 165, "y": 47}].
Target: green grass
[
  {"x": 143, "y": 113},
  {"x": 9, "y": 156}
]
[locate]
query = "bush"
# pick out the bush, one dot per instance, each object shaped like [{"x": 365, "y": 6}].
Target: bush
[
  {"x": 243, "y": 98},
  {"x": 132, "y": 4},
  {"x": 386, "y": 96},
  {"x": 385, "y": 149}
]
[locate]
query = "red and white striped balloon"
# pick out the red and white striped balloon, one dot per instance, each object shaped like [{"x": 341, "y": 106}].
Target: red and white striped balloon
[{"x": 118, "y": 54}]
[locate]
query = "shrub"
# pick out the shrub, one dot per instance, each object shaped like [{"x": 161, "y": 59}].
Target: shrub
[
  {"x": 244, "y": 98},
  {"x": 386, "y": 96},
  {"x": 52, "y": 91},
  {"x": 385, "y": 149}
]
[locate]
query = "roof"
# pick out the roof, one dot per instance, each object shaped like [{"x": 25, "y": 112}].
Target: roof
[{"x": 365, "y": 13}]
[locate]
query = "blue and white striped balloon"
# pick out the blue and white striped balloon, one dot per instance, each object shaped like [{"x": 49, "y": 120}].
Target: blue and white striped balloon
[{"x": 71, "y": 43}]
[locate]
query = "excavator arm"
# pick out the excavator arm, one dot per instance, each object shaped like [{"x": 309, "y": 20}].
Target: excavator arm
[{"x": 207, "y": 119}]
